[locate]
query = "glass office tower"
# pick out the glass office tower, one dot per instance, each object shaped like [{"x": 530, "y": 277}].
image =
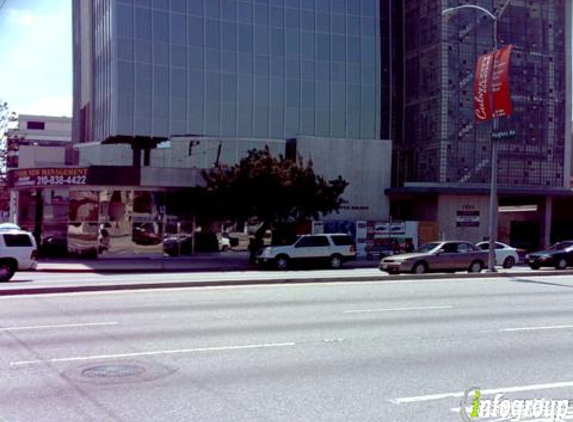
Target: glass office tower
[{"x": 227, "y": 68}]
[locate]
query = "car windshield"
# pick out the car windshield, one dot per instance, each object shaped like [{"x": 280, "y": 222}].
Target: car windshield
[
  {"x": 559, "y": 246},
  {"x": 428, "y": 247}
]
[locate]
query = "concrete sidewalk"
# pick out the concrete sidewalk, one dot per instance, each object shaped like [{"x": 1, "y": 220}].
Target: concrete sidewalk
[{"x": 208, "y": 262}]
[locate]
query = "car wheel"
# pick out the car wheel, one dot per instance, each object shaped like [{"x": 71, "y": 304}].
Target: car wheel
[
  {"x": 534, "y": 266},
  {"x": 7, "y": 270},
  {"x": 509, "y": 262},
  {"x": 561, "y": 264},
  {"x": 282, "y": 262},
  {"x": 335, "y": 262},
  {"x": 419, "y": 268},
  {"x": 475, "y": 267}
]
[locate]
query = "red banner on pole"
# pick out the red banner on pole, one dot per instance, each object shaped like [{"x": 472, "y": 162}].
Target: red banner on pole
[
  {"x": 482, "y": 87},
  {"x": 500, "y": 83}
]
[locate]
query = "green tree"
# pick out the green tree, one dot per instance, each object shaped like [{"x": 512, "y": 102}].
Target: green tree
[
  {"x": 268, "y": 190},
  {"x": 5, "y": 118}
]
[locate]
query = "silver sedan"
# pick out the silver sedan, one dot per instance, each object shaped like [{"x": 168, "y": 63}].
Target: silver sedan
[{"x": 448, "y": 256}]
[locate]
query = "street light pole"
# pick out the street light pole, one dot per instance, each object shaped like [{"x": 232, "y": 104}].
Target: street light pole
[
  {"x": 493, "y": 206},
  {"x": 494, "y": 145}
]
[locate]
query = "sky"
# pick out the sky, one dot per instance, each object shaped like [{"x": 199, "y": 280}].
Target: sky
[{"x": 36, "y": 51}]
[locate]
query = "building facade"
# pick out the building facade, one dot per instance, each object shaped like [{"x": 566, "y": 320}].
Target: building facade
[
  {"x": 146, "y": 72},
  {"x": 39, "y": 141},
  {"x": 40, "y": 145},
  {"x": 443, "y": 158},
  {"x": 194, "y": 82}
]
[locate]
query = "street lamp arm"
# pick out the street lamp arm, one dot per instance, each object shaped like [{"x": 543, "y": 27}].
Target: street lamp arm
[{"x": 452, "y": 10}]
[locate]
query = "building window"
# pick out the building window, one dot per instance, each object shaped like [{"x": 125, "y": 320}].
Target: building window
[{"x": 36, "y": 125}]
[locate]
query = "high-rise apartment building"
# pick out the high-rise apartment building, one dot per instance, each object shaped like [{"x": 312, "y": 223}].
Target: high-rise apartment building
[{"x": 443, "y": 158}]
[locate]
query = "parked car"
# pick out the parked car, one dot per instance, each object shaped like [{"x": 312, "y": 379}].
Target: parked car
[
  {"x": 53, "y": 246},
  {"x": 176, "y": 246},
  {"x": 9, "y": 226},
  {"x": 505, "y": 255},
  {"x": 559, "y": 255},
  {"x": 227, "y": 242},
  {"x": 333, "y": 249},
  {"x": 18, "y": 251},
  {"x": 379, "y": 250},
  {"x": 437, "y": 256}
]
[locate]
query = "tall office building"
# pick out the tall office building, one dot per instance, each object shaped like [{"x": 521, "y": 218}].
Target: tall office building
[
  {"x": 152, "y": 69},
  {"x": 216, "y": 78},
  {"x": 443, "y": 159}
]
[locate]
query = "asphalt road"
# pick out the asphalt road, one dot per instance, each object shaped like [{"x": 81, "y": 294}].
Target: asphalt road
[{"x": 378, "y": 351}]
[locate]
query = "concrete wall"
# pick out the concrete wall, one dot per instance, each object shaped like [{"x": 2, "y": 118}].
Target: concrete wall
[
  {"x": 451, "y": 222},
  {"x": 203, "y": 151},
  {"x": 56, "y": 129},
  {"x": 365, "y": 164},
  {"x": 44, "y": 146},
  {"x": 33, "y": 156},
  {"x": 177, "y": 153},
  {"x": 104, "y": 155}
]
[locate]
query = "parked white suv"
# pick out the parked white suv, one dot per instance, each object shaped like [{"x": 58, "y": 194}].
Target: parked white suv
[
  {"x": 331, "y": 248},
  {"x": 18, "y": 251}
]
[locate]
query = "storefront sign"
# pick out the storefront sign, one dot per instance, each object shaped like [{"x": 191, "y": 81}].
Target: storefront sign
[
  {"x": 389, "y": 229},
  {"x": 45, "y": 177},
  {"x": 467, "y": 218}
]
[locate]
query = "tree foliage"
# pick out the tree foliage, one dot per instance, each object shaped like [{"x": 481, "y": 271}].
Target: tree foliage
[
  {"x": 7, "y": 117},
  {"x": 270, "y": 190},
  {"x": 4, "y": 119}
]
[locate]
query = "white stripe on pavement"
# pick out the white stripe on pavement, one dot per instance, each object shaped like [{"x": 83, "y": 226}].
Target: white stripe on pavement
[
  {"x": 152, "y": 353},
  {"x": 517, "y": 389},
  {"x": 43, "y": 327},
  {"x": 549, "y": 327},
  {"x": 421, "y": 308}
]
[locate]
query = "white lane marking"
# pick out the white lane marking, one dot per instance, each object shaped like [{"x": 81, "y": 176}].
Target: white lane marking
[
  {"x": 421, "y": 308},
  {"x": 517, "y": 389},
  {"x": 44, "y": 327},
  {"x": 548, "y": 327},
  {"x": 152, "y": 353}
]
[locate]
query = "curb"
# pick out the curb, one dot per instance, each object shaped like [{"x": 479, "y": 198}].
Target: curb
[
  {"x": 139, "y": 271},
  {"x": 286, "y": 280}
]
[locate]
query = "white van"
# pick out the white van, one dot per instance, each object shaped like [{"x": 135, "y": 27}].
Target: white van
[{"x": 18, "y": 251}]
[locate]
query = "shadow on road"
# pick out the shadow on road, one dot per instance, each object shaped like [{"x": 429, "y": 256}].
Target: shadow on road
[
  {"x": 523, "y": 280},
  {"x": 18, "y": 282}
]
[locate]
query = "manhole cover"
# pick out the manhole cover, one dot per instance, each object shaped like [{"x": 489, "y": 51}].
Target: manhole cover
[
  {"x": 118, "y": 372},
  {"x": 113, "y": 371}
]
